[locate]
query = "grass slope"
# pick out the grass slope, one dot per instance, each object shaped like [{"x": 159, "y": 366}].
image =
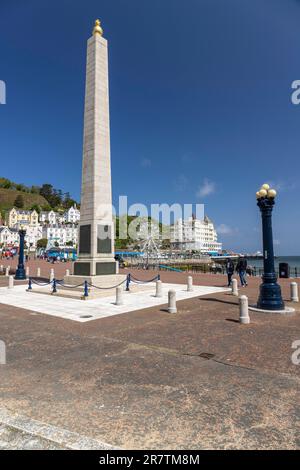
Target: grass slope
[{"x": 8, "y": 197}]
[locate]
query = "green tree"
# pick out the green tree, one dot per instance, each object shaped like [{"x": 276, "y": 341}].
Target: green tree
[
  {"x": 68, "y": 201},
  {"x": 53, "y": 196},
  {"x": 69, "y": 243},
  {"x": 5, "y": 183},
  {"x": 46, "y": 208},
  {"x": 35, "y": 207},
  {"x": 35, "y": 190},
  {"x": 42, "y": 243},
  {"x": 47, "y": 191},
  {"x": 56, "y": 199},
  {"x": 19, "y": 201},
  {"x": 20, "y": 187}
]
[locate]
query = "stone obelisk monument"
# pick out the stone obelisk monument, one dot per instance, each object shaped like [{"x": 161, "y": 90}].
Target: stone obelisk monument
[{"x": 96, "y": 261}]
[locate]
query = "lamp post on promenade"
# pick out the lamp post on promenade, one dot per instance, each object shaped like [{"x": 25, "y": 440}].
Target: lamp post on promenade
[
  {"x": 20, "y": 272},
  {"x": 270, "y": 292}
]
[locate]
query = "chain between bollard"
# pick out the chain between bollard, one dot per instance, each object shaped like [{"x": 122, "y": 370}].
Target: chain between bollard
[
  {"x": 106, "y": 288},
  {"x": 140, "y": 281},
  {"x": 55, "y": 282},
  {"x": 69, "y": 287},
  {"x": 33, "y": 281}
]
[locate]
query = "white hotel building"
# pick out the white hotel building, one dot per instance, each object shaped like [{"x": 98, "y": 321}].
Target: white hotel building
[
  {"x": 59, "y": 227},
  {"x": 70, "y": 216},
  {"x": 194, "y": 234},
  {"x": 61, "y": 234}
]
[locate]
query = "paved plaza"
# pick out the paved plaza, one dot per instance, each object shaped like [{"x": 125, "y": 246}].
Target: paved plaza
[
  {"x": 149, "y": 379},
  {"x": 143, "y": 296},
  {"x": 115, "y": 341}
]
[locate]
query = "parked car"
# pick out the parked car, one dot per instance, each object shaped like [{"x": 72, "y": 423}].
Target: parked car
[
  {"x": 53, "y": 254},
  {"x": 61, "y": 254},
  {"x": 69, "y": 254}
]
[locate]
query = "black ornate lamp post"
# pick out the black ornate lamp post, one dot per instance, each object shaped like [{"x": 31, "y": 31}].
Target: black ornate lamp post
[
  {"x": 270, "y": 292},
  {"x": 20, "y": 272}
]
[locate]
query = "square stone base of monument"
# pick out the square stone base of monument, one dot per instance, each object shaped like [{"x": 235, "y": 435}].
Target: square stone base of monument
[
  {"x": 100, "y": 289},
  {"x": 95, "y": 267},
  {"x": 98, "y": 285},
  {"x": 110, "y": 280}
]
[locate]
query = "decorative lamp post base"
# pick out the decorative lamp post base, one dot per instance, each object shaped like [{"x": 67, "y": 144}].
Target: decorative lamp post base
[
  {"x": 20, "y": 274},
  {"x": 270, "y": 297}
]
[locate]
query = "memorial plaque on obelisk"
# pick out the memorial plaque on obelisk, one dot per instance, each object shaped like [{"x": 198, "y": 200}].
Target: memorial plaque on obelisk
[{"x": 96, "y": 228}]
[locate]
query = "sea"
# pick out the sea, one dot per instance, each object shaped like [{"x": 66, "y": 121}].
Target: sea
[{"x": 293, "y": 262}]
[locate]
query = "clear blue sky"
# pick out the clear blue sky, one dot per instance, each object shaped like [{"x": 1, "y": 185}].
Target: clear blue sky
[{"x": 200, "y": 103}]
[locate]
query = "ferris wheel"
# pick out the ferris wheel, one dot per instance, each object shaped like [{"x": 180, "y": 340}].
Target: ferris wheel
[{"x": 150, "y": 247}]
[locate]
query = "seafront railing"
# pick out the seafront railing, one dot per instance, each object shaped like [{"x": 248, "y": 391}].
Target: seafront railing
[{"x": 293, "y": 271}]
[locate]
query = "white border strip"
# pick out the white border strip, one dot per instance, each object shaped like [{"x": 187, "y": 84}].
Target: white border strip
[{"x": 66, "y": 439}]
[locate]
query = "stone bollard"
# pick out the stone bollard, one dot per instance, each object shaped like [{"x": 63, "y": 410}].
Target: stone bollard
[
  {"x": 51, "y": 274},
  {"x": 10, "y": 282},
  {"x": 7, "y": 271},
  {"x": 119, "y": 296},
  {"x": 190, "y": 284},
  {"x": 294, "y": 292},
  {"x": 235, "y": 287},
  {"x": 244, "y": 312},
  {"x": 158, "y": 289},
  {"x": 172, "y": 301},
  {"x": 38, "y": 272},
  {"x": 27, "y": 271},
  {"x": 67, "y": 272},
  {"x": 1, "y": 268}
]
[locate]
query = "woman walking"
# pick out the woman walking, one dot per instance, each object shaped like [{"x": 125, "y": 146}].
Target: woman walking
[{"x": 229, "y": 270}]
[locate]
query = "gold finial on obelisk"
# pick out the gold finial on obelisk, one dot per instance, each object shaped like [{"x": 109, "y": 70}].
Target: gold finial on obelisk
[{"x": 97, "y": 28}]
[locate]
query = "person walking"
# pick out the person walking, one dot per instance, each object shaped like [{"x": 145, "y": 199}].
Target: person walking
[
  {"x": 241, "y": 269},
  {"x": 229, "y": 270}
]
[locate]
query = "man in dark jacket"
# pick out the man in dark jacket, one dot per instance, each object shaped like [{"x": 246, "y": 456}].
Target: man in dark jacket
[
  {"x": 229, "y": 270},
  {"x": 241, "y": 269}
]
